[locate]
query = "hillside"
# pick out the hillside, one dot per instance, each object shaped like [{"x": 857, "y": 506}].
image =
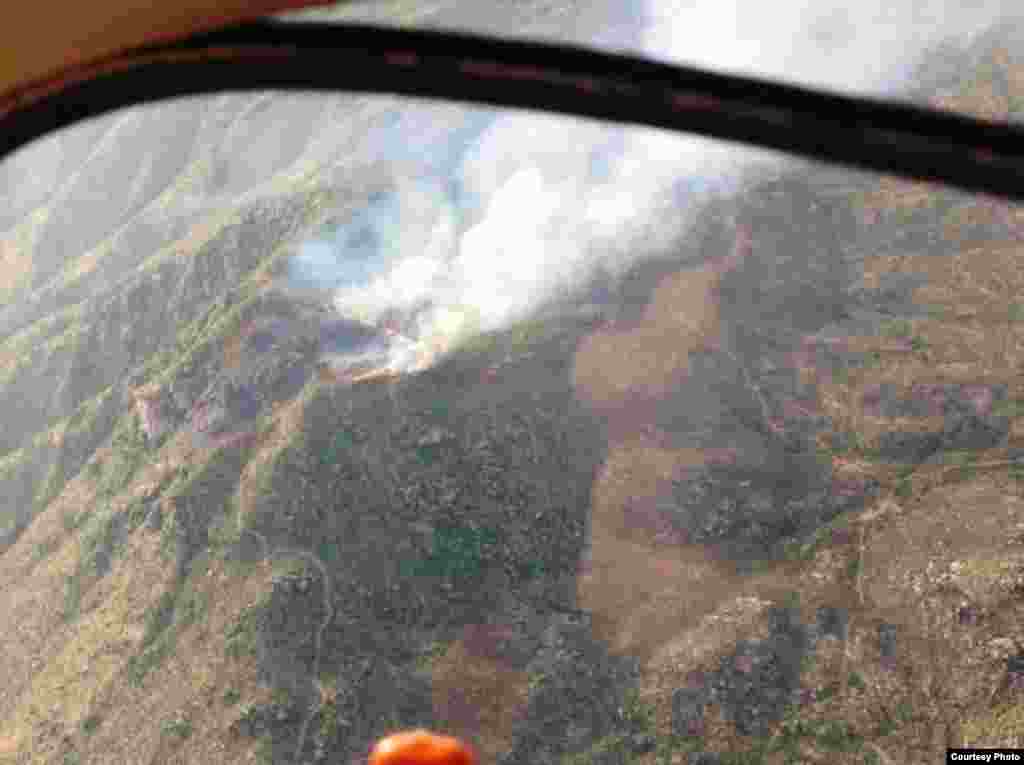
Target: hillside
[{"x": 756, "y": 499}]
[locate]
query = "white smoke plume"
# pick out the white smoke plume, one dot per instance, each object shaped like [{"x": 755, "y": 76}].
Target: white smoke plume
[{"x": 544, "y": 198}]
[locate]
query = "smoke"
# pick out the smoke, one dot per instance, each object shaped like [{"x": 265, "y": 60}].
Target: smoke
[
  {"x": 500, "y": 214},
  {"x": 868, "y": 47}
]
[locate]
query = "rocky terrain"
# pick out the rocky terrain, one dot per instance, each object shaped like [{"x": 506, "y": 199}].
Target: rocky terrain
[{"x": 754, "y": 500}]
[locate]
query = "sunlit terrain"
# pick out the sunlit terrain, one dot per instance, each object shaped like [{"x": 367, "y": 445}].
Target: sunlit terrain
[{"x": 590, "y": 445}]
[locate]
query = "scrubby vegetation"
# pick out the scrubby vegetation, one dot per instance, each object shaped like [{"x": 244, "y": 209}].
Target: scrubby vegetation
[
  {"x": 487, "y": 493},
  {"x": 128, "y": 454},
  {"x": 240, "y": 639},
  {"x": 179, "y": 727},
  {"x": 175, "y": 610}
]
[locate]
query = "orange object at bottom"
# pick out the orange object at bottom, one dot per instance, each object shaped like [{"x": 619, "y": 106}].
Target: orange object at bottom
[{"x": 421, "y": 747}]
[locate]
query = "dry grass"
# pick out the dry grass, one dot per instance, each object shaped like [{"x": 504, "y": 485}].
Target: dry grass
[
  {"x": 56, "y": 674},
  {"x": 1002, "y": 727},
  {"x": 15, "y": 265},
  {"x": 647, "y": 359},
  {"x": 680, "y": 613},
  {"x": 477, "y": 699},
  {"x": 288, "y": 419},
  {"x": 16, "y": 246}
]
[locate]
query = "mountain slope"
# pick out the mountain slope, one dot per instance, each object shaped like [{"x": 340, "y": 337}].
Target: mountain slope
[{"x": 766, "y": 506}]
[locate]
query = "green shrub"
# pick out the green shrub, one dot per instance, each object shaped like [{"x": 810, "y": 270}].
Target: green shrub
[
  {"x": 836, "y": 735},
  {"x": 342, "y": 443},
  {"x": 832, "y": 735},
  {"x": 749, "y": 757},
  {"x": 788, "y": 738},
  {"x": 168, "y": 536},
  {"x": 179, "y": 727},
  {"x": 11, "y": 463},
  {"x": 856, "y": 681},
  {"x": 904, "y": 712},
  {"x": 239, "y": 646},
  {"x": 853, "y": 568},
  {"x": 90, "y": 724},
  {"x": 129, "y": 453},
  {"x": 796, "y": 550},
  {"x": 1009, "y": 408},
  {"x": 157, "y": 640},
  {"x": 872, "y": 454},
  {"x": 1017, "y": 472},
  {"x": 905, "y": 471},
  {"x": 434, "y": 651},
  {"x": 457, "y": 553},
  {"x": 611, "y": 743},
  {"x": 136, "y": 511},
  {"x": 857, "y": 439},
  {"x": 531, "y": 569},
  {"x": 98, "y": 536},
  {"x": 43, "y": 549},
  {"x": 637, "y": 713},
  {"x": 72, "y": 595},
  {"x": 151, "y": 657},
  {"x": 328, "y": 721},
  {"x": 897, "y": 328},
  {"x": 191, "y": 608},
  {"x": 240, "y": 639},
  {"x": 231, "y": 696},
  {"x": 667, "y": 746},
  {"x": 282, "y": 697},
  {"x": 158, "y": 617},
  {"x": 84, "y": 417},
  {"x": 265, "y": 750},
  {"x": 223, "y": 531}
]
